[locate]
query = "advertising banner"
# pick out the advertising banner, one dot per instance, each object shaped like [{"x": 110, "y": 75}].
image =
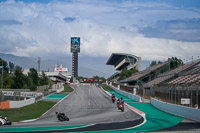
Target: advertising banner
[
  {"x": 185, "y": 101},
  {"x": 75, "y": 44}
]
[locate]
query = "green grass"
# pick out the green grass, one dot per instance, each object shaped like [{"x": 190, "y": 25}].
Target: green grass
[
  {"x": 106, "y": 88},
  {"x": 67, "y": 89},
  {"x": 32, "y": 111}
]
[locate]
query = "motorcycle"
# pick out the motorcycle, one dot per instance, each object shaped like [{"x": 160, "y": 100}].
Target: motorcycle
[
  {"x": 4, "y": 121},
  {"x": 121, "y": 107},
  {"x": 62, "y": 117}
]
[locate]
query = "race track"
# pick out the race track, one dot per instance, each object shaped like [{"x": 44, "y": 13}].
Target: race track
[{"x": 88, "y": 106}]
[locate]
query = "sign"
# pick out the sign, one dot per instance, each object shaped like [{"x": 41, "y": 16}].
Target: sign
[
  {"x": 185, "y": 101},
  {"x": 61, "y": 69},
  {"x": 75, "y": 44}
]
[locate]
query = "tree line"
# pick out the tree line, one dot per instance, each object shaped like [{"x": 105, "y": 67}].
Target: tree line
[{"x": 13, "y": 77}]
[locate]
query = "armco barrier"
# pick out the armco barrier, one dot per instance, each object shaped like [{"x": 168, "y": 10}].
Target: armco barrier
[
  {"x": 18, "y": 104},
  {"x": 186, "y": 112},
  {"x": 131, "y": 96}
]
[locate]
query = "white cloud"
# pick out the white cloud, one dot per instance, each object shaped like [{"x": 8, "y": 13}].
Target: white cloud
[{"x": 45, "y": 33}]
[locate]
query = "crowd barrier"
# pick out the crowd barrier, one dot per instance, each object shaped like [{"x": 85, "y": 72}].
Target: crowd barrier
[
  {"x": 186, "y": 112},
  {"x": 131, "y": 96}
]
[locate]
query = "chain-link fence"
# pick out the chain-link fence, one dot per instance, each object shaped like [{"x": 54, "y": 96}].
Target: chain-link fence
[{"x": 177, "y": 94}]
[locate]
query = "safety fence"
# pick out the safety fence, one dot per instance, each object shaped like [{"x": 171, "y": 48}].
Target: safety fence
[
  {"x": 179, "y": 94},
  {"x": 175, "y": 94}
]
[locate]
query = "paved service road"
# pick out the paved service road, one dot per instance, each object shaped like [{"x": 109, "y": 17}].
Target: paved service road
[{"x": 88, "y": 104}]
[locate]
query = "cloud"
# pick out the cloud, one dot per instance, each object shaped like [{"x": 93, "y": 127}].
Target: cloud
[
  {"x": 150, "y": 30},
  {"x": 9, "y": 22},
  {"x": 69, "y": 19},
  {"x": 182, "y": 30}
]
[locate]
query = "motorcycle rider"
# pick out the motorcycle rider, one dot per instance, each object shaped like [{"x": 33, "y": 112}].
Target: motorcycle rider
[
  {"x": 113, "y": 95},
  {"x": 118, "y": 103},
  {"x": 60, "y": 115},
  {"x": 122, "y": 101}
]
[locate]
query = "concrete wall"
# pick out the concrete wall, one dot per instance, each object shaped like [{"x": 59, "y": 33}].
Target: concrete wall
[
  {"x": 190, "y": 113},
  {"x": 131, "y": 96},
  {"x": 18, "y": 104},
  {"x": 58, "y": 87},
  {"x": 42, "y": 88}
]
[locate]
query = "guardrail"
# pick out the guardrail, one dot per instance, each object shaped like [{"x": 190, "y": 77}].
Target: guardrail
[{"x": 190, "y": 113}]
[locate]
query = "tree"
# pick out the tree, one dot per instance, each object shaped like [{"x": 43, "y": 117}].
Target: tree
[
  {"x": 34, "y": 76},
  {"x": 4, "y": 64},
  {"x": 44, "y": 79},
  {"x": 175, "y": 62},
  {"x": 153, "y": 63},
  {"x": 127, "y": 73},
  {"x": 11, "y": 66},
  {"x": 18, "y": 78}
]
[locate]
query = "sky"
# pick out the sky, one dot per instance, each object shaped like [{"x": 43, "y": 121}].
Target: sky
[{"x": 150, "y": 29}]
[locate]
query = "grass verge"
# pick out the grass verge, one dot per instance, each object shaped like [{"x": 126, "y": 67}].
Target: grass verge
[
  {"x": 106, "y": 88},
  {"x": 32, "y": 111},
  {"x": 67, "y": 89}
]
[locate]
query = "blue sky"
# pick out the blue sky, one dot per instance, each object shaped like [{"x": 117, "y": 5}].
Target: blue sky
[{"x": 151, "y": 29}]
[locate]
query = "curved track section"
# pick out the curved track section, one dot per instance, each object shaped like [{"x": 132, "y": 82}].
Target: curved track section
[{"x": 88, "y": 106}]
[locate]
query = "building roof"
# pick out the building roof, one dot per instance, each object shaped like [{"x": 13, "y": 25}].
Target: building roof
[{"x": 115, "y": 57}]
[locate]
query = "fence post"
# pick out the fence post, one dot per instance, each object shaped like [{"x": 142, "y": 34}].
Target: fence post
[
  {"x": 197, "y": 99},
  {"x": 191, "y": 98}
]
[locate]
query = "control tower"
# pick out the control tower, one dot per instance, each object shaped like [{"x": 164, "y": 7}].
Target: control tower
[{"x": 75, "y": 49}]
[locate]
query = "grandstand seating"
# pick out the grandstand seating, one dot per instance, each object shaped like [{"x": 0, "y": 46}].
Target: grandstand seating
[
  {"x": 194, "y": 71},
  {"x": 186, "y": 79},
  {"x": 141, "y": 74},
  {"x": 158, "y": 80},
  {"x": 189, "y": 79}
]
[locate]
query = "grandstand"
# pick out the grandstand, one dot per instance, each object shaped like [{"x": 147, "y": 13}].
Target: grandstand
[
  {"x": 123, "y": 61},
  {"x": 174, "y": 75},
  {"x": 147, "y": 74}
]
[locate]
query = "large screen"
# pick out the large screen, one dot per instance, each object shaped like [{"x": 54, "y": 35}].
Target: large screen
[{"x": 75, "y": 44}]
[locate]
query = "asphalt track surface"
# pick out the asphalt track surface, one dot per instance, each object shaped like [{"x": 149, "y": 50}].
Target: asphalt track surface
[{"x": 90, "y": 106}]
